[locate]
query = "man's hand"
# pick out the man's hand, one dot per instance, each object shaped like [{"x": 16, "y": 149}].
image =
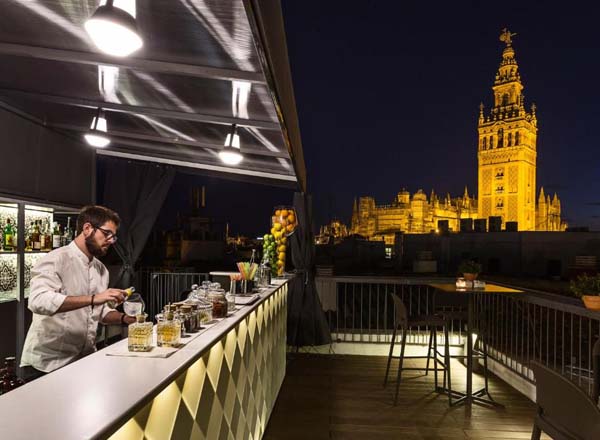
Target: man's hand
[{"x": 115, "y": 295}]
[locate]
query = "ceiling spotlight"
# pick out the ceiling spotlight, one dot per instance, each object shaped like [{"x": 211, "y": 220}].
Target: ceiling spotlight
[
  {"x": 113, "y": 30},
  {"x": 96, "y": 136},
  {"x": 230, "y": 154}
]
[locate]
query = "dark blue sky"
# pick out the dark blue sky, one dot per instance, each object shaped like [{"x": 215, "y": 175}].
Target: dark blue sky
[{"x": 388, "y": 95}]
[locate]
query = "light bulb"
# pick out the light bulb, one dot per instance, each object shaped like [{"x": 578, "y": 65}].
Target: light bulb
[
  {"x": 96, "y": 136},
  {"x": 114, "y": 31},
  {"x": 96, "y": 140},
  {"x": 230, "y": 156}
]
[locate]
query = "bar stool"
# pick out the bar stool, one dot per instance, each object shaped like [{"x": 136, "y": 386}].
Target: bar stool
[{"x": 402, "y": 323}]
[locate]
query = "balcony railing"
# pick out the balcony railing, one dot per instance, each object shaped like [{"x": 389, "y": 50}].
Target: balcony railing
[
  {"x": 360, "y": 309},
  {"x": 519, "y": 328},
  {"x": 167, "y": 287}
]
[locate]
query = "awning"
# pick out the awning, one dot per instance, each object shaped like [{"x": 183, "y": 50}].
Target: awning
[{"x": 205, "y": 65}]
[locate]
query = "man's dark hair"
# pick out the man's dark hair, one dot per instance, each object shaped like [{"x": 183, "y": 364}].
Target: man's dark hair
[{"x": 96, "y": 215}]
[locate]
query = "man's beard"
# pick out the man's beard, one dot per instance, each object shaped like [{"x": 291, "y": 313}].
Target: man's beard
[{"x": 93, "y": 248}]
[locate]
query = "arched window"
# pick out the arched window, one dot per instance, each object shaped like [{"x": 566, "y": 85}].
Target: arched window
[
  {"x": 500, "y": 138},
  {"x": 491, "y": 141},
  {"x": 484, "y": 143},
  {"x": 517, "y": 138},
  {"x": 505, "y": 99},
  {"x": 510, "y": 139}
]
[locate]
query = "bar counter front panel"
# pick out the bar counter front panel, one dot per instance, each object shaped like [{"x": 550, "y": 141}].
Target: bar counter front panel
[{"x": 223, "y": 386}]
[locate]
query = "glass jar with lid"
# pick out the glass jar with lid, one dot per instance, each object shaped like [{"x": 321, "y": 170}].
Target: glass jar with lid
[
  {"x": 168, "y": 331},
  {"x": 230, "y": 302},
  {"x": 139, "y": 336},
  {"x": 204, "y": 314},
  {"x": 219, "y": 303},
  {"x": 188, "y": 318}
]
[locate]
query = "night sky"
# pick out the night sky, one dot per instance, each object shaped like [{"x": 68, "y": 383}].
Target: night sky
[{"x": 388, "y": 96}]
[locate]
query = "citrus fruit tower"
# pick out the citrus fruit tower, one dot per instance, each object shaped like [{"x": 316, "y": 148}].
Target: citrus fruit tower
[{"x": 283, "y": 224}]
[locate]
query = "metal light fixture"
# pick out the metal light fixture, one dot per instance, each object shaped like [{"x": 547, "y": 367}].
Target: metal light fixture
[
  {"x": 96, "y": 136},
  {"x": 231, "y": 154},
  {"x": 114, "y": 30}
]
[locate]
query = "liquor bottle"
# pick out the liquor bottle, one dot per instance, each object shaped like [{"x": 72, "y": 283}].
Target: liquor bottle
[
  {"x": 56, "y": 237},
  {"x": 29, "y": 238},
  {"x": 48, "y": 235},
  {"x": 68, "y": 233},
  {"x": 168, "y": 331},
  {"x": 36, "y": 239},
  {"x": 8, "y": 236},
  {"x": 140, "y": 334},
  {"x": 128, "y": 292}
]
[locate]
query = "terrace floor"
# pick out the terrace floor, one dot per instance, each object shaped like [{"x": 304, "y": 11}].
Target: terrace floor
[{"x": 341, "y": 397}]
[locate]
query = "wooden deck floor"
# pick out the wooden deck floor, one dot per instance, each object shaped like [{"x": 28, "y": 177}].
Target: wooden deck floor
[{"x": 341, "y": 397}]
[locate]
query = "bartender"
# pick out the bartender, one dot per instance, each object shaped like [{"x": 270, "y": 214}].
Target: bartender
[{"x": 69, "y": 294}]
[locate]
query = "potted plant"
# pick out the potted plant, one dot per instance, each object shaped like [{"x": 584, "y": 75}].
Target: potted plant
[
  {"x": 470, "y": 269},
  {"x": 588, "y": 289}
]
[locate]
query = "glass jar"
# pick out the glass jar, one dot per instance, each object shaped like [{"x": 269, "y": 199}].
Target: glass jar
[
  {"x": 168, "y": 331},
  {"x": 140, "y": 334},
  {"x": 219, "y": 303},
  {"x": 230, "y": 302},
  {"x": 283, "y": 224},
  {"x": 188, "y": 318},
  {"x": 204, "y": 314}
]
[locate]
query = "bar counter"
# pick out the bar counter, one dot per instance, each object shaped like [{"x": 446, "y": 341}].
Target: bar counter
[{"x": 222, "y": 384}]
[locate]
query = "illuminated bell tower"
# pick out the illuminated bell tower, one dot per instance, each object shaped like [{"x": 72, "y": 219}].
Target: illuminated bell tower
[{"x": 507, "y": 148}]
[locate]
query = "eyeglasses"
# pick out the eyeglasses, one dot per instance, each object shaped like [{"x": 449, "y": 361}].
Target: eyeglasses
[{"x": 109, "y": 235}]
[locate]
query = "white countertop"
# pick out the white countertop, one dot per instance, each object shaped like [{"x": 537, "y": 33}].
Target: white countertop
[{"x": 97, "y": 394}]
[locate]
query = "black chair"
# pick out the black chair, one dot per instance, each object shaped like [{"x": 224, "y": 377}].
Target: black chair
[
  {"x": 564, "y": 411},
  {"x": 403, "y": 323}
]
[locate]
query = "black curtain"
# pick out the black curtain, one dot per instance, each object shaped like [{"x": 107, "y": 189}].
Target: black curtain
[
  {"x": 136, "y": 191},
  {"x": 307, "y": 324}
]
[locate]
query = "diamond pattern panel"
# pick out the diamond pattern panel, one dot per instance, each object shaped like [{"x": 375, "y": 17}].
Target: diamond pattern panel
[{"x": 228, "y": 393}]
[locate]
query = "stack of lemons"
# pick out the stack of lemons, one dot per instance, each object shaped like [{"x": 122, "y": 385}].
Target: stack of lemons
[{"x": 283, "y": 223}]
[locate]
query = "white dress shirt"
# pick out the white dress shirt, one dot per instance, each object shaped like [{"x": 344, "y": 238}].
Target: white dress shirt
[{"x": 58, "y": 338}]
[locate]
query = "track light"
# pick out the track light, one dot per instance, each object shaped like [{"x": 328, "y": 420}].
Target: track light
[
  {"x": 96, "y": 136},
  {"x": 230, "y": 154},
  {"x": 113, "y": 30}
]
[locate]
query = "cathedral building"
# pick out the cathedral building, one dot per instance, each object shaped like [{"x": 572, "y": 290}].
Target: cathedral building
[{"x": 507, "y": 155}]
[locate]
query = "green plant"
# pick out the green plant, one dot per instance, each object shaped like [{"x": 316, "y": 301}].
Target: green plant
[
  {"x": 469, "y": 266},
  {"x": 585, "y": 285}
]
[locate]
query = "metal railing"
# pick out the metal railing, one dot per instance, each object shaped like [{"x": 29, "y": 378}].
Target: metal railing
[
  {"x": 551, "y": 330},
  {"x": 166, "y": 287},
  {"x": 361, "y": 309},
  {"x": 518, "y": 328}
]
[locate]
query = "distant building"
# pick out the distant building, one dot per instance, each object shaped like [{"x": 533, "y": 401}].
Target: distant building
[
  {"x": 334, "y": 232},
  {"x": 507, "y": 161}
]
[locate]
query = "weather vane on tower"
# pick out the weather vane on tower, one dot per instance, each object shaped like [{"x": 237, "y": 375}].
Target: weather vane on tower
[{"x": 506, "y": 36}]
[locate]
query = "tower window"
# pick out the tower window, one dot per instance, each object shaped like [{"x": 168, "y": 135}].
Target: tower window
[
  {"x": 510, "y": 139},
  {"x": 505, "y": 99},
  {"x": 500, "y": 138},
  {"x": 517, "y": 138},
  {"x": 491, "y": 141},
  {"x": 484, "y": 143}
]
